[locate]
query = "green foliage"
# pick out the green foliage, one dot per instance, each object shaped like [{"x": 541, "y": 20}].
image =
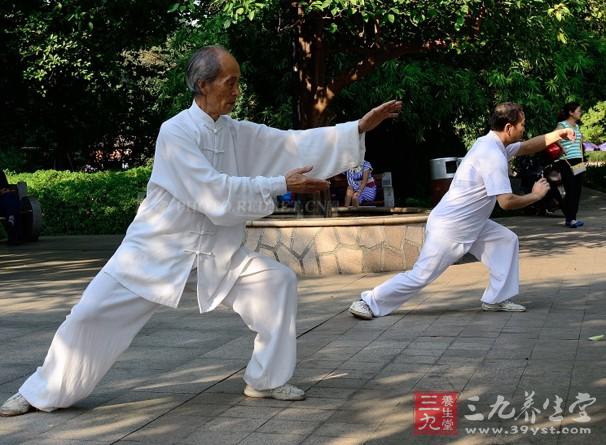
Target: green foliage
[
  {"x": 170, "y": 58},
  {"x": 436, "y": 96},
  {"x": 70, "y": 85},
  {"x": 538, "y": 52},
  {"x": 79, "y": 76},
  {"x": 341, "y": 16},
  {"x": 596, "y": 156},
  {"x": 266, "y": 93},
  {"x": 12, "y": 160},
  {"x": 85, "y": 203},
  {"x": 596, "y": 177},
  {"x": 594, "y": 124}
]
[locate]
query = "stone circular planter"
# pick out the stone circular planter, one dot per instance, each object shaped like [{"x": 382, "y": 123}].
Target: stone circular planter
[{"x": 388, "y": 241}]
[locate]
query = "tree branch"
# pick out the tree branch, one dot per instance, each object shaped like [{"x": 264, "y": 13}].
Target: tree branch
[{"x": 373, "y": 57}]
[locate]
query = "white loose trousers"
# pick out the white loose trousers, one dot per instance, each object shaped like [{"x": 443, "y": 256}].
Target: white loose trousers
[
  {"x": 107, "y": 318},
  {"x": 496, "y": 247}
]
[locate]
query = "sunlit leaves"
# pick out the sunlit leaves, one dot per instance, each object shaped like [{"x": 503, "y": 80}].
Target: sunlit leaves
[
  {"x": 560, "y": 11},
  {"x": 594, "y": 123}
]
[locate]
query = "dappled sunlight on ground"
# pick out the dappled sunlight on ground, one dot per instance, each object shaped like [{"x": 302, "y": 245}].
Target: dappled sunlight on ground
[{"x": 181, "y": 380}]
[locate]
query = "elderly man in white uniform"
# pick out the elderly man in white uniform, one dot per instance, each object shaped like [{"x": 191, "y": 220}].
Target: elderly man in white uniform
[
  {"x": 211, "y": 174},
  {"x": 460, "y": 222}
]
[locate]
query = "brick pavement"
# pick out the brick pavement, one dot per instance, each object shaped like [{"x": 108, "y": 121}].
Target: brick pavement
[{"x": 180, "y": 381}]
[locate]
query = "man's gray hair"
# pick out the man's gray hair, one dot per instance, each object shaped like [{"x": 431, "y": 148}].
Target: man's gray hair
[{"x": 204, "y": 65}]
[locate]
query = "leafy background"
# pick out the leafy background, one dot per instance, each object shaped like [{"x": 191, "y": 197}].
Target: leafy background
[{"x": 85, "y": 85}]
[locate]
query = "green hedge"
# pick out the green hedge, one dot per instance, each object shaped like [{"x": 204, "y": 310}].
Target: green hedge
[
  {"x": 106, "y": 202},
  {"x": 595, "y": 177},
  {"x": 75, "y": 203},
  {"x": 596, "y": 156}
]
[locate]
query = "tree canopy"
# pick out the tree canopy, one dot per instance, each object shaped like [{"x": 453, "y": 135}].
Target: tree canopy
[
  {"x": 83, "y": 78},
  {"x": 69, "y": 84}
]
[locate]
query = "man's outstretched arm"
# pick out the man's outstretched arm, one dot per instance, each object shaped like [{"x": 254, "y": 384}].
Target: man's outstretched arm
[{"x": 539, "y": 143}]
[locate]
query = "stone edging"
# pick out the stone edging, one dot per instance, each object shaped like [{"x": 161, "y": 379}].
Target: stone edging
[{"x": 341, "y": 245}]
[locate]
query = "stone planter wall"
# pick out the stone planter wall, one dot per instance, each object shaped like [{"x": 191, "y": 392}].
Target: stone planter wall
[{"x": 321, "y": 247}]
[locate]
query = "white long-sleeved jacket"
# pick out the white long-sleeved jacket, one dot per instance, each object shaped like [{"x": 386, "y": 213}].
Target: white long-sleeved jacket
[{"x": 209, "y": 178}]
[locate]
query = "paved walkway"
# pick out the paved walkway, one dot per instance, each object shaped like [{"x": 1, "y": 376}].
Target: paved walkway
[{"x": 180, "y": 381}]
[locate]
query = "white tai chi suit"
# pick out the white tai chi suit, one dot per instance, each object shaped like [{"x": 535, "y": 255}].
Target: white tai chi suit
[
  {"x": 209, "y": 177},
  {"x": 459, "y": 224}
]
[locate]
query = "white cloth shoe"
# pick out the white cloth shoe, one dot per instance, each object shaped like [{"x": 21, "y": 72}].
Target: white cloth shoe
[
  {"x": 284, "y": 392},
  {"x": 503, "y": 306},
  {"x": 15, "y": 406},
  {"x": 361, "y": 310}
]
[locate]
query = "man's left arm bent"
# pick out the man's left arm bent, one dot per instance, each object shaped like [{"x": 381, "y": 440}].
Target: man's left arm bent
[{"x": 511, "y": 201}]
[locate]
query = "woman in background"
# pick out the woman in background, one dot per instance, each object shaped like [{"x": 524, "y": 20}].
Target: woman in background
[
  {"x": 572, "y": 163},
  {"x": 360, "y": 185}
]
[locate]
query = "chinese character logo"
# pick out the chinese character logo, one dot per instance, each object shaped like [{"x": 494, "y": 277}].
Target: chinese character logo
[{"x": 436, "y": 413}]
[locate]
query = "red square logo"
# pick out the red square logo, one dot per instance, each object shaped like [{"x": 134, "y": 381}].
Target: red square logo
[{"x": 436, "y": 413}]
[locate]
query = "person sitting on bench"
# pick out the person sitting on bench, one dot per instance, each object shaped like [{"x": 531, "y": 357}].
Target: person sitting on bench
[{"x": 361, "y": 186}]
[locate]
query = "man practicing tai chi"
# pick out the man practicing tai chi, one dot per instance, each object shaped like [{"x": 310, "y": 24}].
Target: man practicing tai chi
[
  {"x": 211, "y": 174},
  {"x": 460, "y": 222}
]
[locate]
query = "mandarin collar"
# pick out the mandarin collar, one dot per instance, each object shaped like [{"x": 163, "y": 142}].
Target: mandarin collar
[{"x": 200, "y": 116}]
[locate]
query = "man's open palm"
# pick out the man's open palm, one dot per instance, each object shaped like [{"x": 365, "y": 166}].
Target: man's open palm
[
  {"x": 378, "y": 114},
  {"x": 297, "y": 182}
]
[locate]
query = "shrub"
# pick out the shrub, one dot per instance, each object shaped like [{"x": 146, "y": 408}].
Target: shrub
[
  {"x": 596, "y": 156},
  {"x": 594, "y": 124},
  {"x": 85, "y": 203},
  {"x": 596, "y": 177},
  {"x": 12, "y": 159}
]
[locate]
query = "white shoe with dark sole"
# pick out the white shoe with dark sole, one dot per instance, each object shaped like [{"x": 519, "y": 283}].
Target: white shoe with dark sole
[
  {"x": 15, "y": 405},
  {"x": 361, "y": 310},
  {"x": 503, "y": 306},
  {"x": 284, "y": 392}
]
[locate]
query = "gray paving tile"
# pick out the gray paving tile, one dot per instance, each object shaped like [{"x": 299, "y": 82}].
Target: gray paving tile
[
  {"x": 204, "y": 437},
  {"x": 168, "y": 429},
  {"x": 181, "y": 381},
  {"x": 278, "y": 426},
  {"x": 327, "y": 440},
  {"x": 193, "y": 377},
  {"x": 306, "y": 414},
  {"x": 234, "y": 424},
  {"x": 273, "y": 439},
  {"x": 323, "y": 403},
  {"x": 46, "y": 441},
  {"x": 252, "y": 412},
  {"x": 116, "y": 418},
  {"x": 335, "y": 429}
]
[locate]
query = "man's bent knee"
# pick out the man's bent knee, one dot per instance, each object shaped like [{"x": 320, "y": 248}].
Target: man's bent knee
[{"x": 284, "y": 275}]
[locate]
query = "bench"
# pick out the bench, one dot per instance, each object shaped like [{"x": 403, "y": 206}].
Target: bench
[
  {"x": 30, "y": 212},
  {"x": 323, "y": 203},
  {"x": 383, "y": 181}
]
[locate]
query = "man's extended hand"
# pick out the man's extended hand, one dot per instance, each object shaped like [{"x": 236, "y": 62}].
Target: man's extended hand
[
  {"x": 378, "y": 114},
  {"x": 566, "y": 133},
  {"x": 297, "y": 182}
]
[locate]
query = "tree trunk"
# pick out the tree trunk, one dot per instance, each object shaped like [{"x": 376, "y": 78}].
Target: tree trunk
[
  {"x": 314, "y": 92},
  {"x": 309, "y": 66}
]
